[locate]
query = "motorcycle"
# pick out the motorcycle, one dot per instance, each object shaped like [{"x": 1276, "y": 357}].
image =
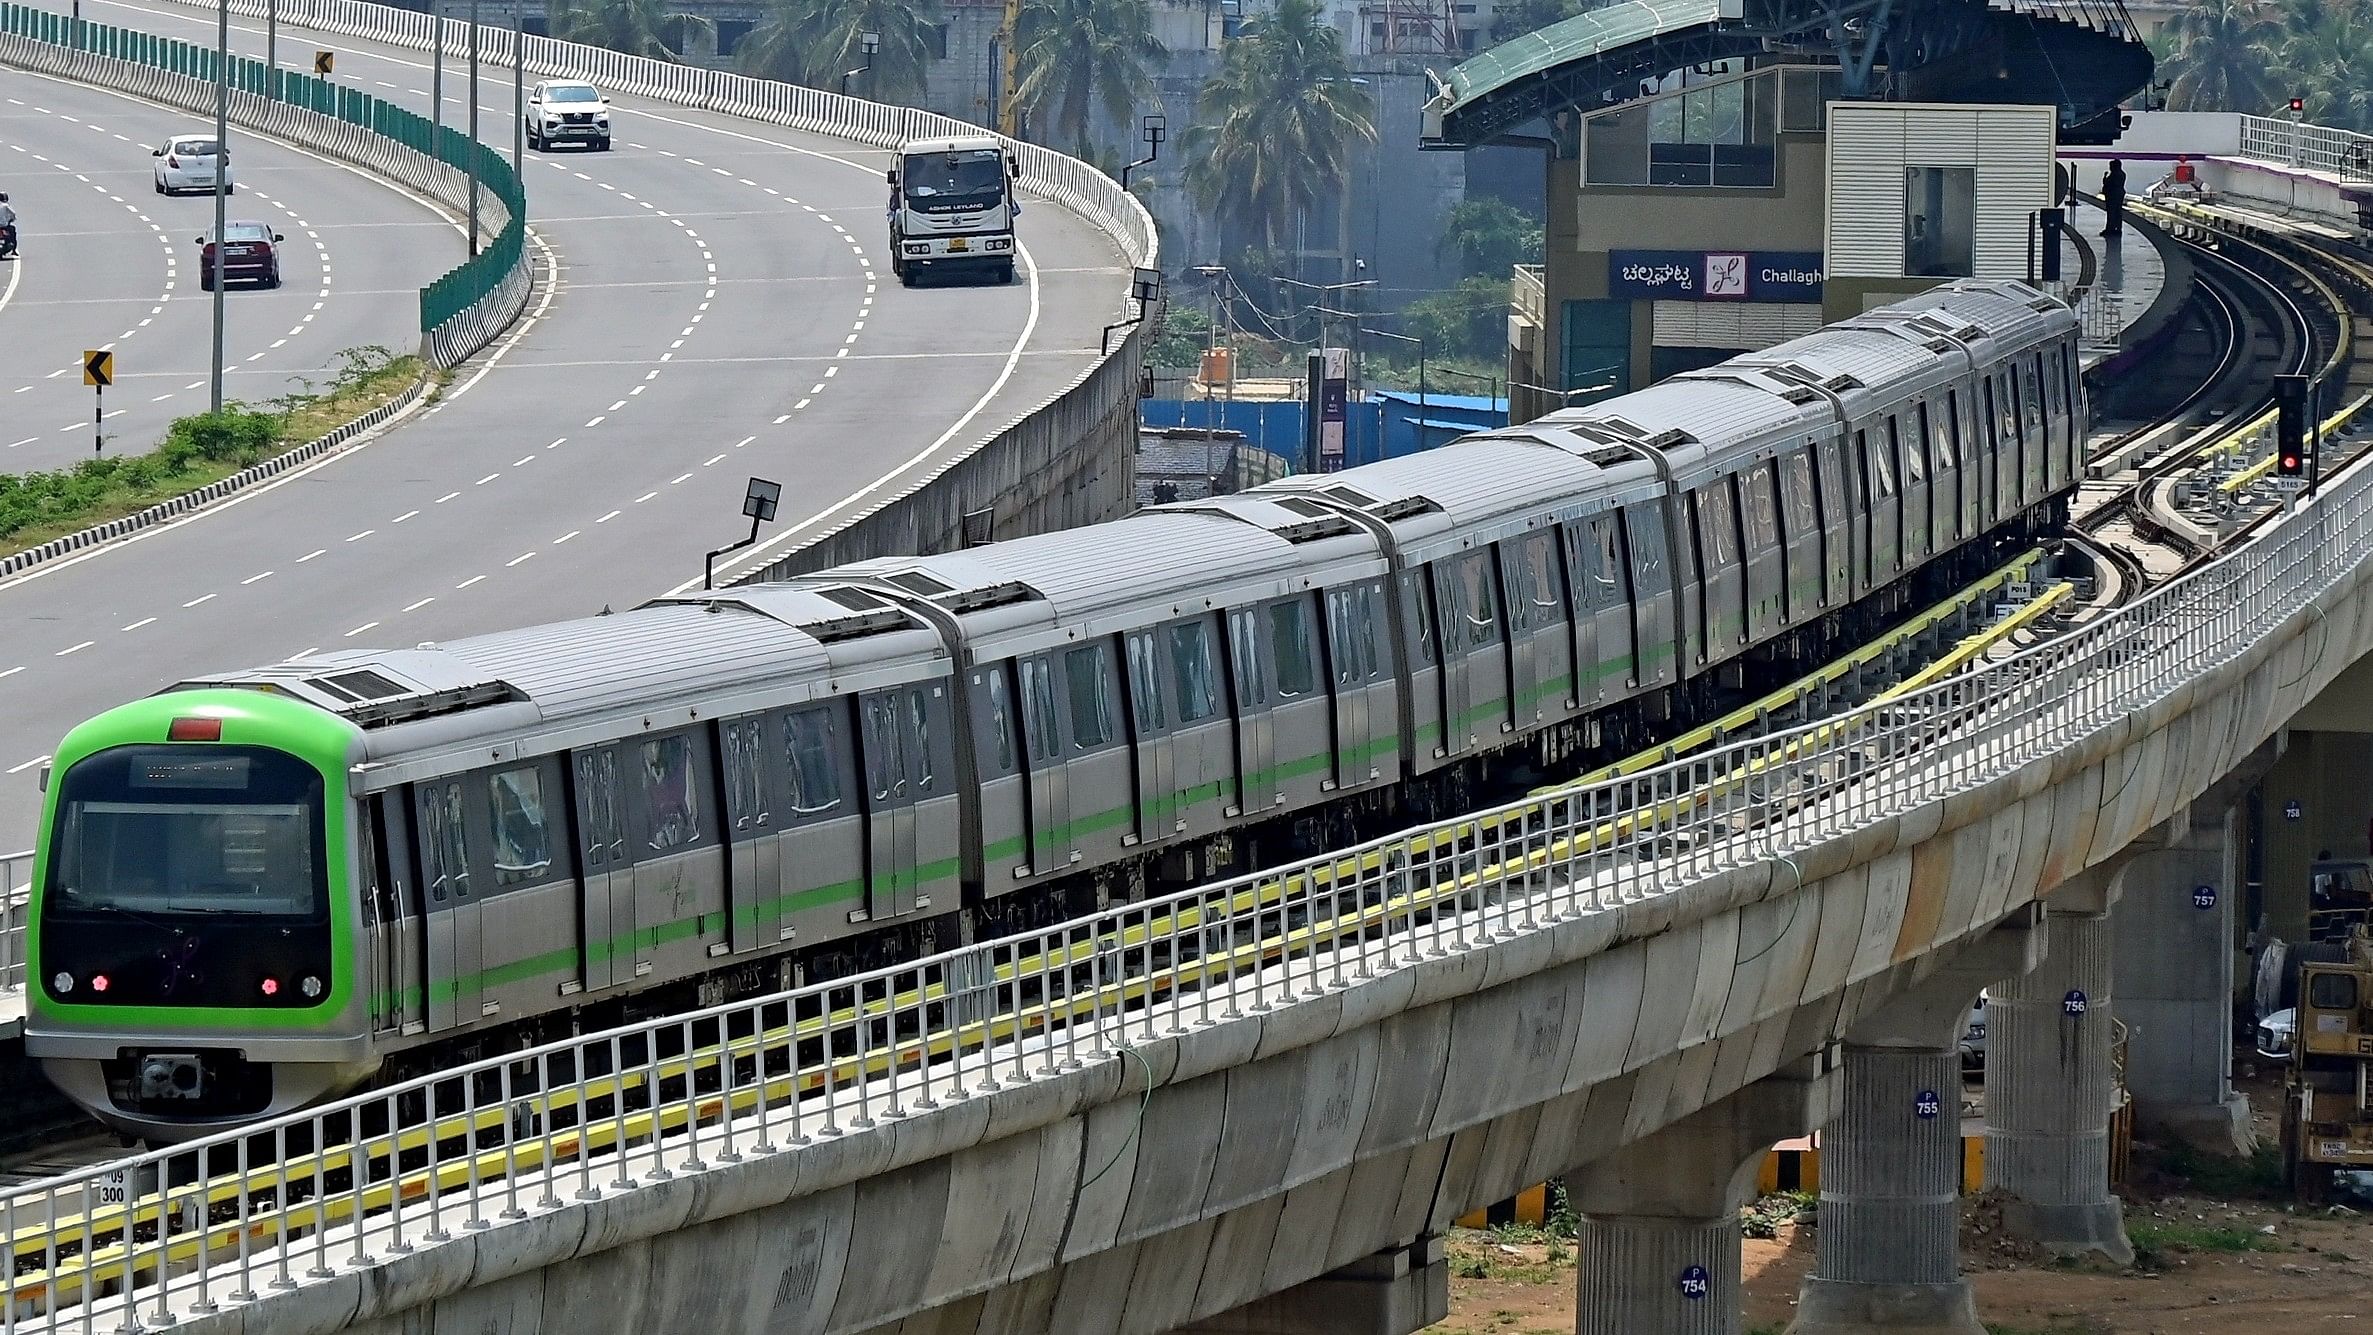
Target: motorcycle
[{"x": 8, "y": 242}]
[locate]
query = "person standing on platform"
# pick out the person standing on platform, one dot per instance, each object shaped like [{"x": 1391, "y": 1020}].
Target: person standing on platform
[{"x": 2113, "y": 198}]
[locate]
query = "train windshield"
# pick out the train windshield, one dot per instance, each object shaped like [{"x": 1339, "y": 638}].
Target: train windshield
[
  {"x": 943, "y": 182},
  {"x": 155, "y": 831}
]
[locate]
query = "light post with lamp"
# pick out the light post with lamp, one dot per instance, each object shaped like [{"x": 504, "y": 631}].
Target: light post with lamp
[
  {"x": 1156, "y": 130},
  {"x": 869, "y": 43}
]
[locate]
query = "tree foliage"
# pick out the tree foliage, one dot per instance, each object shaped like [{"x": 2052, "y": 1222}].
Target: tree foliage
[
  {"x": 637, "y": 27},
  {"x": 2254, "y": 55},
  {"x": 1077, "y": 55},
  {"x": 815, "y": 42},
  {"x": 1277, "y": 123},
  {"x": 1489, "y": 236},
  {"x": 1468, "y": 321}
]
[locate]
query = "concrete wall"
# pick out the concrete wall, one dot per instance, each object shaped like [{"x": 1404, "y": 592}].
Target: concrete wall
[
  {"x": 2325, "y": 773},
  {"x": 1278, "y": 1146}
]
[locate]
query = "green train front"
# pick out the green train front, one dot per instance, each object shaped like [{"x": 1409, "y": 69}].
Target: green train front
[{"x": 190, "y": 960}]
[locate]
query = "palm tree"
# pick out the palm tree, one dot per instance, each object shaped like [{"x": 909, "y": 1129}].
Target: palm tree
[
  {"x": 814, "y": 42},
  {"x": 1276, "y": 123},
  {"x": 1076, "y": 53},
  {"x": 2323, "y": 63},
  {"x": 2220, "y": 56},
  {"x": 636, "y": 27}
]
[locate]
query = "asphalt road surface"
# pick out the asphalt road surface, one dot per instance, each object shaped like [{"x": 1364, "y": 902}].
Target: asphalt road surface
[{"x": 721, "y": 308}]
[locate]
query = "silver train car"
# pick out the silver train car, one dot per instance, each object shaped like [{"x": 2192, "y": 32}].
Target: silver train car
[{"x": 722, "y": 794}]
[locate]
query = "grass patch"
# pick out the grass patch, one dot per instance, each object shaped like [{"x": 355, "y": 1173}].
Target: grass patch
[
  {"x": 2259, "y": 1176},
  {"x": 2154, "y": 1241},
  {"x": 197, "y": 450}
]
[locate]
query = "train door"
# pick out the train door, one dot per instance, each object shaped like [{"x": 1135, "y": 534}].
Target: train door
[
  {"x": 1256, "y": 732},
  {"x": 1656, "y": 626},
  {"x": 454, "y": 944},
  {"x": 1837, "y": 522},
  {"x": 1350, "y": 661},
  {"x": 753, "y": 854},
  {"x": 1523, "y": 672},
  {"x": 1800, "y": 527},
  {"x": 1919, "y": 518},
  {"x": 1050, "y": 785},
  {"x": 1455, "y": 615},
  {"x": 605, "y": 915},
  {"x": 391, "y": 899},
  {"x": 1155, "y": 757},
  {"x": 1602, "y": 618},
  {"x": 889, "y": 743}
]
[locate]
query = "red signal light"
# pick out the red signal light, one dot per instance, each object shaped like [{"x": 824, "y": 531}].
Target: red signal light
[
  {"x": 2298, "y": 104},
  {"x": 271, "y": 987},
  {"x": 194, "y": 730}
]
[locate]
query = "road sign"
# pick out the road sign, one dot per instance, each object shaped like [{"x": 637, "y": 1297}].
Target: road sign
[
  {"x": 98, "y": 368},
  {"x": 324, "y": 62}
]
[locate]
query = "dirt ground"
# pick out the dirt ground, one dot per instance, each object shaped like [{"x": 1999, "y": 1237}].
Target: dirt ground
[{"x": 2218, "y": 1246}]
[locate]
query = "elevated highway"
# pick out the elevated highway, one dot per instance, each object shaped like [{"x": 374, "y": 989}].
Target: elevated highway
[
  {"x": 1174, "y": 1110},
  {"x": 715, "y": 304},
  {"x": 107, "y": 263}
]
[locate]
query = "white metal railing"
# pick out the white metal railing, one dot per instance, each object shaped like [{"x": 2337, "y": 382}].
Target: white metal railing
[
  {"x": 16, "y": 881},
  {"x": 586, "y": 1117},
  {"x": 2344, "y": 153},
  {"x": 1528, "y": 290},
  {"x": 1066, "y": 180}
]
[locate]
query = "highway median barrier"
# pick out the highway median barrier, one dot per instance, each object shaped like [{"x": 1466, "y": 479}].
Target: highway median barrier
[{"x": 204, "y": 457}]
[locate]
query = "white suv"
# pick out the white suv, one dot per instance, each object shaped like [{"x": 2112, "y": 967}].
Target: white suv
[{"x": 567, "y": 111}]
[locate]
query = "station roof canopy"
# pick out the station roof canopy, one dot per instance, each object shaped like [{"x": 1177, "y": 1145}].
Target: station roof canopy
[{"x": 2082, "y": 55}]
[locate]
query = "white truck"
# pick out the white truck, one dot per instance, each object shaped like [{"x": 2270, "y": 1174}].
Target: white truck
[{"x": 952, "y": 206}]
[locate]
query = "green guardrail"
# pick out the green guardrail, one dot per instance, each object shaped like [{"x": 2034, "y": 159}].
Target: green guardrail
[{"x": 442, "y": 300}]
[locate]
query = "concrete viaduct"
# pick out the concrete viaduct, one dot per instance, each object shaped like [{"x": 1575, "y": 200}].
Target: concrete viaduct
[{"x": 1289, "y": 1167}]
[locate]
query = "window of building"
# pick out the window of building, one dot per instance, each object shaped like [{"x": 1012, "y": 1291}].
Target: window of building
[{"x": 1939, "y": 221}]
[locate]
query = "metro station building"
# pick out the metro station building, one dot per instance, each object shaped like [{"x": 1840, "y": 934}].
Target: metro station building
[{"x": 1724, "y": 175}]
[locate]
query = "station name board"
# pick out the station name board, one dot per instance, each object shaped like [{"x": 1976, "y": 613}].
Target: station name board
[{"x": 1714, "y": 275}]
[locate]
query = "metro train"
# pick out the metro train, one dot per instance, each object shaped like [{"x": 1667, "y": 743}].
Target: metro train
[{"x": 257, "y": 889}]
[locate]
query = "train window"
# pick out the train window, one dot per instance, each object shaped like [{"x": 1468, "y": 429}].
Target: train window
[
  {"x": 810, "y": 747},
  {"x": 1419, "y": 617},
  {"x": 1759, "y": 487},
  {"x": 1472, "y": 619},
  {"x": 1351, "y": 632},
  {"x": 745, "y": 769},
  {"x": 1911, "y": 450},
  {"x": 1720, "y": 524},
  {"x": 1594, "y": 566},
  {"x": 1090, "y": 681},
  {"x": 885, "y": 768},
  {"x": 1937, "y": 429},
  {"x": 522, "y": 836},
  {"x": 920, "y": 766},
  {"x": 1244, "y": 660},
  {"x": 1145, "y": 685},
  {"x": 1643, "y": 546},
  {"x": 1000, "y": 716},
  {"x": 1190, "y": 671},
  {"x": 1540, "y": 591},
  {"x": 671, "y": 792},
  {"x": 1363, "y": 617},
  {"x": 2067, "y": 381},
  {"x": 1796, "y": 496},
  {"x": 1289, "y": 645},
  {"x": 1882, "y": 466},
  {"x": 1041, "y": 737},
  {"x": 444, "y": 846}
]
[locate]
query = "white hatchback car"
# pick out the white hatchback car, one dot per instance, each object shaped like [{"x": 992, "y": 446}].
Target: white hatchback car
[{"x": 189, "y": 161}]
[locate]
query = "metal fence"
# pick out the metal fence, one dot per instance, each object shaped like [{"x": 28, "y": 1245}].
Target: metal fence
[
  {"x": 402, "y": 1168},
  {"x": 2345, "y": 153},
  {"x": 16, "y": 881},
  {"x": 459, "y": 312}
]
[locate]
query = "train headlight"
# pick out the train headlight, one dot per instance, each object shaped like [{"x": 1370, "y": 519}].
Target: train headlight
[
  {"x": 62, "y": 983},
  {"x": 311, "y": 987}
]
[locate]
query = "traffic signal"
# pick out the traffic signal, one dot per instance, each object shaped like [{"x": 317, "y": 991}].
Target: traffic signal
[
  {"x": 2290, "y": 425},
  {"x": 2298, "y": 104},
  {"x": 2050, "y": 224}
]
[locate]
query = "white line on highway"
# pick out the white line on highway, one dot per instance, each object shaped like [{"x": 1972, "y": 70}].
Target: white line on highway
[
  {"x": 421, "y": 604},
  {"x": 598, "y": 420},
  {"x": 517, "y": 559},
  {"x": 644, "y": 497},
  {"x": 19, "y": 769},
  {"x": 141, "y": 622},
  {"x": 682, "y": 478},
  {"x": 468, "y": 582},
  {"x": 76, "y": 649},
  {"x": 714, "y": 462},
  {"x": 311, "y": 554},
  {"x": 404, "y": 516},
  {"x": 203, "y": 597},
  {"x": 523, "y": 460},
  {"x": 360, "y": 629},
  {"x": 739, "y": 443},
  {"x": 253, "y": 578},
  {"x": 362, "y": 535},
  {"x": 486, "y": 479},
  {"x": 610, "y": 516},
  {"x": 12, "y": 671},
  {"x": 566, "y": 536},
  {"x": 446, "y": 497}
]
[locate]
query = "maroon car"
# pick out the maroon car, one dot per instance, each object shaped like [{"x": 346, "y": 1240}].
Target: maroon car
[{"x": 247, "y": 256}]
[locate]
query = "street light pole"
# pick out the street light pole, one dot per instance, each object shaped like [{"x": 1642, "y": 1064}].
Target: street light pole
[
  {"x": 271, "y": 49},
  {"x": 519, "y": 95},
  {"x": 436, "y": 82},
  {"x": 222, "y": 178},
  {"x": 470, "y": 171}
]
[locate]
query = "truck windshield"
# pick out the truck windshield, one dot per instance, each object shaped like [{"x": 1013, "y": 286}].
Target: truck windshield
[
  {"x": 945, "y": 182},
  {"x": 169, "y": 830}
]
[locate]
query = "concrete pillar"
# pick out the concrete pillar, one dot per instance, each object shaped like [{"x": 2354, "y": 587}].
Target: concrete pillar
[
  {"x": 1659, "y": 1243},
  {"x": 2173, "y": 925},
  {"x": 1889, "y": 1244},
  {"x": 1395, "y": 1292},
  {"x": 2049, "y": 1089}
]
